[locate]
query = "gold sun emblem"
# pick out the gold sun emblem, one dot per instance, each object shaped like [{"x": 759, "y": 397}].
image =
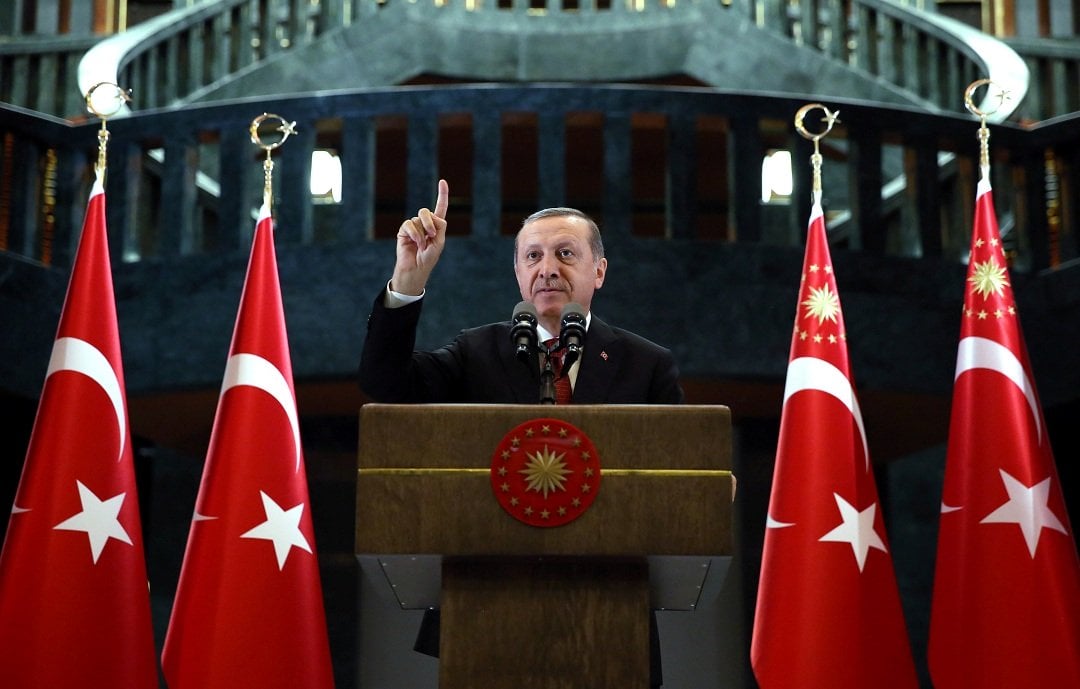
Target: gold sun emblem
[
  {"x": 988, "y": 278},
  {"x": 545, "y": 472},
  {"x": 822, "y": 304}
]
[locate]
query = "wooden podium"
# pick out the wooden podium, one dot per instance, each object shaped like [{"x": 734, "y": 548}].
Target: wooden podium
[{"x": 527, "y": 607}]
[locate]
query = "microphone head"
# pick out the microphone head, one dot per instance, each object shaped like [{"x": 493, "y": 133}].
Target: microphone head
[
  {"x": 524, "y": 311},
  {"x": 572, "y": 334},
  {"x": 523, "y": 331},
  {"x": 573, "y": 312}
]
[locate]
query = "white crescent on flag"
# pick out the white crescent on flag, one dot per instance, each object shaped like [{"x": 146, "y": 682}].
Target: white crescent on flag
[
  {"x": 980, "y": 352},
  {"x": 771, "y": 523},
  {"x": 253, "y": 370},
  {"x": 73, "y": 354},
  {"x": 811, "y": 373}
]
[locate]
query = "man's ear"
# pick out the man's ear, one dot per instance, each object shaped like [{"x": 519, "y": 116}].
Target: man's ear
[{"x": 601, "y": 271}]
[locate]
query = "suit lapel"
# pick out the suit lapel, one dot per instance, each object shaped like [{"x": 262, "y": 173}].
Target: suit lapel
[
  {"x": 524, "y": 380},
  {"x": 599, "y": 364}
]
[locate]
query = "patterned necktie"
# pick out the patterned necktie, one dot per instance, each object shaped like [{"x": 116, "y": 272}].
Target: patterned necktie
[{"x": 563, "y": 392}]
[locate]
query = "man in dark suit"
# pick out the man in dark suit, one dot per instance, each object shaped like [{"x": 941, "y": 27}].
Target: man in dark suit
[{"x": 558, "y": 259}]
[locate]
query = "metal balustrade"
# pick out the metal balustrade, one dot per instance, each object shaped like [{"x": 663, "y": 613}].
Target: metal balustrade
[
  {"x": 1055, "y": 77},
  {"x": 222, "y": 39},
  {"x": 643, "y": 159},
  {"x": 42, "y": 74},
  {"x": 924, "y": 55}
]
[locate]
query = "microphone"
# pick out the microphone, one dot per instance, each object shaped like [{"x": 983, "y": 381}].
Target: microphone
[
  {"x": 572, "y": 333},
  {"x": 523, "y": 331}
]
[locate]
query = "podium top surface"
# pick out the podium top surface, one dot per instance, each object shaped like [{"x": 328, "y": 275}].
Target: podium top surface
[{"x": 673, "y": 437}]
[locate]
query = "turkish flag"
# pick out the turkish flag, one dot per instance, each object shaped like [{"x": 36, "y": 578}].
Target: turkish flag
[
  {"x": 1006, "y": 602},
  {"x": 828, "y": 610},
  {"x": 74, "y": 600},
  {"x": 249, "y": 609}
]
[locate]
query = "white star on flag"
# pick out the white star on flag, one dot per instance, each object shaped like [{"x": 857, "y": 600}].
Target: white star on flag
[
  {"x": 1027, "y": 508},
  {"x": 97, "y": 519},
  {"x": 856, "y": 528},
  {"x": 282, "y": 527}
]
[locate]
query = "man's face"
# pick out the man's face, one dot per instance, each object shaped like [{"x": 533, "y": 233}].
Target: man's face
[{"x": 554, "y": 265}]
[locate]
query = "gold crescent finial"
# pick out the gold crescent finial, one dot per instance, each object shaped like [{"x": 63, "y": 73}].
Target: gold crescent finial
[
  {"x": 969, "y": 98},
  {"x": 120, "y": 97},
  {"x": 984, "y": 132},
  {"x": 830, "y": 118},
  {"x": 284, "y": 129}
]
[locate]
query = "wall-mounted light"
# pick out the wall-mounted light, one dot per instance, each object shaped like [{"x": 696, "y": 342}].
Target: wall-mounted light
[
  {"x": 776, "y": 183},
  {"x": 325, "y": 177}
]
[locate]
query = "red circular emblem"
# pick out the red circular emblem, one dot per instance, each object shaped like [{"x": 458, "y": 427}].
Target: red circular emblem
[{"x": 545, "y": 472}]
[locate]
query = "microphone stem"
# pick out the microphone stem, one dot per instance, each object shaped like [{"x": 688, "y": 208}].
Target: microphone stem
[{"x": 547, "y": 381}]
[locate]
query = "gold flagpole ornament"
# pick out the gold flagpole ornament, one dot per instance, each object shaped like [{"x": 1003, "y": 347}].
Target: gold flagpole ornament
[
  {"x": 104, "y": 105},
  {"x": 283, "y": 130},
  {"x": 984, "y": 133},
  {"x": 829, "y": 119}
]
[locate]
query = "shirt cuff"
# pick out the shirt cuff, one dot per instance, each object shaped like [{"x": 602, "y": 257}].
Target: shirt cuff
[{"x": 393, "y": 300}]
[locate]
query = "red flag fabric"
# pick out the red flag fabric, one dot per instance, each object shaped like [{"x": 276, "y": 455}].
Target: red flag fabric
[
  {"x": 828, "y": 610},
  {"x": 248, "y": 610},
  {"x": 74, "y": 600},
  {"x": 1006, "y": 601}
]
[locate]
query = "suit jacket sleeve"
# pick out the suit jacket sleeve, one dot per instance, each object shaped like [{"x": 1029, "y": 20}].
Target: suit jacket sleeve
[
  {"x": 477, "y": 366},
  {"x": 387, "y": 373}
]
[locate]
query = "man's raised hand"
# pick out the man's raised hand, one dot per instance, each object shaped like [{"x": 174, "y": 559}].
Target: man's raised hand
[{"x": 420, "y": 242}]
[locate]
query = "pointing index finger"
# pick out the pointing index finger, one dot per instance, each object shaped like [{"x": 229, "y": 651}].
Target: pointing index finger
[{"x": 443, "y": 200}]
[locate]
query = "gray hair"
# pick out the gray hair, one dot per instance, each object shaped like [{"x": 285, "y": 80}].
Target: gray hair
[{"x": 596, "y": 244}]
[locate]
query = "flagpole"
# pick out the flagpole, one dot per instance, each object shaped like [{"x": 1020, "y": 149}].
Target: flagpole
[
  {"x": 285, "y": 129},
  {"x": 248, "y": 609},
  {"x": 74, "y": 601},
  {"x": 828, "y": 612},
  {"x": 1006, "y": 577}
]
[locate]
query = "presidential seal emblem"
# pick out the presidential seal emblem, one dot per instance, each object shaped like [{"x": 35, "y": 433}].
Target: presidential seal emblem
[{"x": 545, "y": 472}]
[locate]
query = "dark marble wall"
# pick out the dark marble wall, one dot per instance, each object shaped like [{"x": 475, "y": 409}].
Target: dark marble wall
[{"x": 725, "y": 309}]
